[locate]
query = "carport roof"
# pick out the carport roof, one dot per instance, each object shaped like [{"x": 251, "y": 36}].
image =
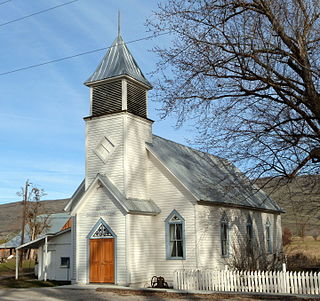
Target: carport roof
[{"x": 34, "y": 244}]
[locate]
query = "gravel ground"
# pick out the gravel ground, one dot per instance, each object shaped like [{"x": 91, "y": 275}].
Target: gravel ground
[{"x": 58, "y": 294}]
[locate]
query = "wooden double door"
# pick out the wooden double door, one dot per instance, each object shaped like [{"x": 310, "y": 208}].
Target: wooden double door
[{"x": 102, "y": 260}]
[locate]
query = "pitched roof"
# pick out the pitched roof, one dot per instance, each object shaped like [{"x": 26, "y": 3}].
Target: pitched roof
[
  {"x": 129, "y": 205},
  {"x": 132, "y": 205},
  {"x": 11, "y": 214},
  {"x": 118, "y": 61},
  {"x": 36, "y": 243},
  {"x": 209, "y": 178},
  {"x": 55, "y": 223}
]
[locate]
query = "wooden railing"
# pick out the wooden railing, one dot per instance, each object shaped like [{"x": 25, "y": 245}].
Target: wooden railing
[{"x": 248, "y": 281}]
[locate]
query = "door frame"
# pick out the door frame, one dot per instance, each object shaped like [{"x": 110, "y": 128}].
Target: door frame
[{"x": 89, "y": 237}]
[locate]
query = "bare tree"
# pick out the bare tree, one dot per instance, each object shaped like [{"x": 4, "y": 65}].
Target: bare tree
[
  {"x": 34, "y": 223},
  {"x": 250, "y": 255},
  {"x": 247, "y": 72}
]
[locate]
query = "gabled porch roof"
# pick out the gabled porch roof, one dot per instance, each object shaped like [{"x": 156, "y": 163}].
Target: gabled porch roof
[{"x": 128, "y": 205}]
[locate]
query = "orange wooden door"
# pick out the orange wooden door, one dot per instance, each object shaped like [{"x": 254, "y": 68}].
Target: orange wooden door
[{"x": 102, "y": 260}]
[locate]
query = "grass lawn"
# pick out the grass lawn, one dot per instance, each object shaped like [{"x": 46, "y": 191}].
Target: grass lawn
[{"x": 9, "y": 268}]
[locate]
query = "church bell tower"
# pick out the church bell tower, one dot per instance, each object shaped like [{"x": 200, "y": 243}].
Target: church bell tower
[
  {"x": 118, "y": 126},
  {"x": 118, "y": 83}
]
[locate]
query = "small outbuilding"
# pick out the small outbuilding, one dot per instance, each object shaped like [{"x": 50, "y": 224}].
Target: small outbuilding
[
  {"x": 54, "y": 252},
  {"x": 53, "y": 248}
]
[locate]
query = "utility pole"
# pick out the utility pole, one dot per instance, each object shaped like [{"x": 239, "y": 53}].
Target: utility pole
[{"x": 24, "y": 212}]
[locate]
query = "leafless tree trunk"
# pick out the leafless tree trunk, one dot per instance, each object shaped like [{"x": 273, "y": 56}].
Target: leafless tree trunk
[{"x": 34, "y": 223}]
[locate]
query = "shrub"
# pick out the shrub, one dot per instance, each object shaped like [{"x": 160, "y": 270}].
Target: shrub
[
  {"x": 300, "y": 262},
  {"x": 286, "y": 237}
]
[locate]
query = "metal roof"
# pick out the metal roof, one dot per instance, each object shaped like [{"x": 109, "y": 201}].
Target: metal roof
[
  {"x": 35, "y": 244},
  {"x": 118, "y": 61},
  {"x": 130, "y": 205},
  {"x": 55, "y": 223},
  {"x": 210, "y": 178}
]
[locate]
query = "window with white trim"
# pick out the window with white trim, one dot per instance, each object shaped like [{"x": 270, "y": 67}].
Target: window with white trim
[{"x": 175, "y": 238}]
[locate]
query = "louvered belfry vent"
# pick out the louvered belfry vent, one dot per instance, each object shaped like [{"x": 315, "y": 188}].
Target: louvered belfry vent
[
  {"x": 137, "y": 100},
  {"x": 106, "y": 98}
]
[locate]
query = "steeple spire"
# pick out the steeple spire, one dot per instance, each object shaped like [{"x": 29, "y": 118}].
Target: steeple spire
[{"x": 118, "y": 61}]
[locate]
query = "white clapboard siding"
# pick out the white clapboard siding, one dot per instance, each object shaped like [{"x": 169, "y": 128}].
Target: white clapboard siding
[
  {"x": 248, "y": 281},
  {"x": 137, "y": 133},
  {"x": 143, "y": 248},
  {"x": 126, "y": 164},
  {"x": 146, "y": 237},
  {"x": 99, "y": 205},
  {"x": 208, "y": 231},
  {"x": 111, "y": 127}
]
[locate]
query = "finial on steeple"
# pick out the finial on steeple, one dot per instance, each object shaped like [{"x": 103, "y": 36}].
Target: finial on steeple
[{"x": 119, "y": 25}]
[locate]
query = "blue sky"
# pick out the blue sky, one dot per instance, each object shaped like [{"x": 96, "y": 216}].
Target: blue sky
[{"x": 42, "y": 109}]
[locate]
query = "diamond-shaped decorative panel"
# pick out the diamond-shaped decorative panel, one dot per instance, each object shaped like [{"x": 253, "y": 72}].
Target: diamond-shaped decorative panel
[{"x": 104, "y": 149}]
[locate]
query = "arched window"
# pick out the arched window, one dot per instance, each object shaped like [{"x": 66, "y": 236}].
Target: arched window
[
  {"x": 175, "y": 238},
  {"x": 224, "y": 235},
  {"x": 249, "y": 228},
  {"x": 268, "y": 236}
]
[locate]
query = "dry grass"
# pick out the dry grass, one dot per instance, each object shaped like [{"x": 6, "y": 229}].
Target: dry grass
[
  {"x": 156, "y": 295},
  {"x": 307, "y": 246},
  {"x": 303, "y": 254}
]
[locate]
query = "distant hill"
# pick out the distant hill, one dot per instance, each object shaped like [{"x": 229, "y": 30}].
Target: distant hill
[
  {"x": 11, "y": 214},
  {"x": 300, "y": 198}
]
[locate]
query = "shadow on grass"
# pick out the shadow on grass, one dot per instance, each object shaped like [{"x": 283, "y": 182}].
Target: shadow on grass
[
  {"x": 29, "y": 282},
  {"x": 8, "y": 268}
]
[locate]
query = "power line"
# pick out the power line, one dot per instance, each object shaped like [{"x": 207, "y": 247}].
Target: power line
[
  {"x": 78, "y": 54},
  {"x": 5, "y": 2},
  {"x": 36, "y": 13}
]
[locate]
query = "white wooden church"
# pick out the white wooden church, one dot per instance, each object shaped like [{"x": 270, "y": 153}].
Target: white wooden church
[{"x": 149, "y": 206}]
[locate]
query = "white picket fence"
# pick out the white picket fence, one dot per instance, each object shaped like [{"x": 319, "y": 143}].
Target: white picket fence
[{"x": 247, "y": 281}]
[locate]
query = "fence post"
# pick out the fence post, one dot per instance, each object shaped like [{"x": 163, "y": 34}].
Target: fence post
[
  {"x": 284, "y": 278},
  {"x": 284, "y": 267}
]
